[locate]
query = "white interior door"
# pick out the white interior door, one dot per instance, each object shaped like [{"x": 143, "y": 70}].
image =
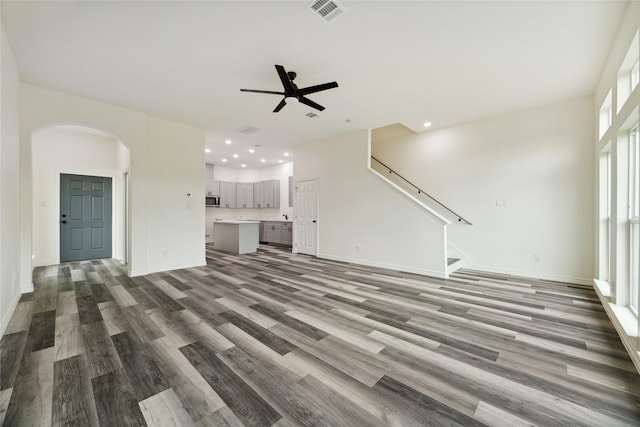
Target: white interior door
[{"x": 306, "y": 217}]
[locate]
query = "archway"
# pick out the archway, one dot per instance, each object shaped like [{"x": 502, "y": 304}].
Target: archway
[{"x": 80, "y": 151}]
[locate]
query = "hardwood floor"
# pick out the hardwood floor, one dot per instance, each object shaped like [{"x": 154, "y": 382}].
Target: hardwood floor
[{"x": 290, "y": 340}]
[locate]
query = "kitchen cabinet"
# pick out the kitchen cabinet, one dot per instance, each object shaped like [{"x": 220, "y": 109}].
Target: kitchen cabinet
[
  {"x": 211, "y": 187},
  {"x": 287, "y": 233},
  {"x": 258, "y": 194},
  {"x": 227, "y": 194},
  {"x": 276, "y": 232},
  {"x": 244, "y": 194},
  {"x": 273, "y": 232},
  {"x": 266, "y": 194}
]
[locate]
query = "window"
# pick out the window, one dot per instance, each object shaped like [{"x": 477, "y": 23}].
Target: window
[
  {"x": 634, "y": 223},
  {"x": 605, "y": 231},
  {"x": 628, "y": 73},
  {"x": 605, "y": 114}
]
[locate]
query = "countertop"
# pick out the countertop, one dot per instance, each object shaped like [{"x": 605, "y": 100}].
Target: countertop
[
  {"x": 241, "y": 221},
  {"x": 236, "y": 221}
]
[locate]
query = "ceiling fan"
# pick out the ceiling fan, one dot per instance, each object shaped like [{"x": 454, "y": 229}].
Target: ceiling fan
[{"x": 292, "y": 93}]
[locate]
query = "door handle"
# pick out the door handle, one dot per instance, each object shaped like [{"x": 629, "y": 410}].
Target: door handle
[
  {"x": 64, "y": 215},
  {"x": 63, "y": 222},
  {"x": 314, "y": 221}
]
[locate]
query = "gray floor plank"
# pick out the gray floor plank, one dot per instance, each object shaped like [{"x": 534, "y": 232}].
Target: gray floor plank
[
  {"x": 248, "y": 406},
  {"x": 116, "y": 404},
  {"x": 73, "y": 402}
]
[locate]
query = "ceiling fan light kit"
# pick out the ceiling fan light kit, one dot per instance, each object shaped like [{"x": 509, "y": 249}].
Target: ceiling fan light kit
[{"x": 292, "y": 94}]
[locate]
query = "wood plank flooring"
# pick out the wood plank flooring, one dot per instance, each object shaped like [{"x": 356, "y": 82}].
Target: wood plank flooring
[{"x": 275, "y": 339}]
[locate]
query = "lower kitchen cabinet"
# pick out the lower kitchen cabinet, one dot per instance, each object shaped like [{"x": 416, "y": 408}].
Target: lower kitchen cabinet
[
  {"x": 287, "y": 233},
  {"x": 273, "y": 232},
  {"x": 277, "y": 232}
]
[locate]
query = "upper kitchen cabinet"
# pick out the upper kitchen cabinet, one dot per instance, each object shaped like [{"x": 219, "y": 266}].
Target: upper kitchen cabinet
[
  {"x": 211, "y": 187},
  {"x": 227, "y": 194},
  {"x": 244, "y": 194},
  {"x": 266, "y": 194},
  {"x": 258, "y": 194}
]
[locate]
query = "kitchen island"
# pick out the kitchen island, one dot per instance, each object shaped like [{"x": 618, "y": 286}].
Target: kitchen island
[{"x": 236, "y": 236}]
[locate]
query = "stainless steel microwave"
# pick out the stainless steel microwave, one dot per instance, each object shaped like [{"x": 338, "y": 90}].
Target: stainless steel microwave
[{"x": 212, "y": 202}]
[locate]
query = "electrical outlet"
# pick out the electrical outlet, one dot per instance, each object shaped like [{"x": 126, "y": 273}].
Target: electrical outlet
[
  {"x": 536, "y": 258},
  {"x": 165, "y": 253},
  {"x": 358, "y": 248}
]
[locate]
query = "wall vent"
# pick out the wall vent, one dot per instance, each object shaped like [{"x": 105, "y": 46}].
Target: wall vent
[
  {"x": 327, "y": 10},
  {"x": 311, "y": 115},
  {"x": 247, "y": 129}
]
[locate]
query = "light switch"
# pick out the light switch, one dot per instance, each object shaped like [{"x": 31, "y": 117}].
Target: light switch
[{"x": 501, "y": 203}]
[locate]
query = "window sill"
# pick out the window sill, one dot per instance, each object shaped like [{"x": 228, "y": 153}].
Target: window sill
[
  {"x": 623, "y": 319},
  {"x": 603, "y": 288}
]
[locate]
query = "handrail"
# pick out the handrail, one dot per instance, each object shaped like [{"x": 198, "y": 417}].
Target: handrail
[{"x": 420, "y": 191}]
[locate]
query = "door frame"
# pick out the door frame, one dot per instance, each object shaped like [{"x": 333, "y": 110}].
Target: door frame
[
  {"x": 294, "y": 249},
  {"x": 126, "y": 218}
]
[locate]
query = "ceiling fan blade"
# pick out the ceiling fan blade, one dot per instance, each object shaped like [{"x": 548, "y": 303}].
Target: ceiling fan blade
[
  {"x": 284, "y": 78},
  {"x": 280, "y": 105},
  {"x": 317, "y": 88},
  {"x": 262, "y": 91},
  {"x": 310, "y": 103}
]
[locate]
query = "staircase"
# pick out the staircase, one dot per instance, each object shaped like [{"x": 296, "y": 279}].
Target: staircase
[{"x": 455, "y": 259}]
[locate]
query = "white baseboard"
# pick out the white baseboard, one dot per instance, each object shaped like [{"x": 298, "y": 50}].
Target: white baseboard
[
  {"x": 9, "y": 313},
  {"x": 45, "y": 263},
  {"x": 434, "y": 273},
  {"x": 529, "y": 275}
]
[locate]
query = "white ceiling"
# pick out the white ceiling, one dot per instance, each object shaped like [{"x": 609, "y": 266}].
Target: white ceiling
[{"x": 445, "y": 62}]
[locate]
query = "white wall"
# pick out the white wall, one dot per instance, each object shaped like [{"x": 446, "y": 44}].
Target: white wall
[
  {"x": 357, "y": 209},
  {"x": 9, "y": 184},
  {"x": 157, "y": 147},
  {"x": 539, "y": 161},
  {"x": 57, "y": 151},
  {"x": 175, "y": 196}
]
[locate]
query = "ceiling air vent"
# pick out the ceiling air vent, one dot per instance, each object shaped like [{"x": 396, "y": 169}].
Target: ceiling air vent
[
  {"x": 247, "y": 129},
  {"x": 311, "y": 115},
  {"x": 327, "y": 10}
]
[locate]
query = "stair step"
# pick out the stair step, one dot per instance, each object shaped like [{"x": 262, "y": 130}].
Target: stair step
[{"x": 451, "y": 261}]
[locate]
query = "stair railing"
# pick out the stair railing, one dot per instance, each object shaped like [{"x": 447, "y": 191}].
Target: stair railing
[{"x": 421, "y": 191}]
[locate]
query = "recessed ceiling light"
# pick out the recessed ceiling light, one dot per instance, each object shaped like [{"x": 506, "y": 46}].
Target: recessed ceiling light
[
  {"x": 286, "y": 154},
  {"x": 228, "y": 142},
  {"x": 280, "y": 161},
  {"x": 224, "y": 160},
  {"x": 427, "y": 124},
  {"x": 243, "y": 165},
  {"x": 263, "y": 160},
  {"x": 206, "y": 150},
  {"x": 235, "y": 156},
  {"x": 251, "y": 150}
]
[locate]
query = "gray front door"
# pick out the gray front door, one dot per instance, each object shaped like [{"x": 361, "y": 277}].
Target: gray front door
[{"x": 85, "y": 217}]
